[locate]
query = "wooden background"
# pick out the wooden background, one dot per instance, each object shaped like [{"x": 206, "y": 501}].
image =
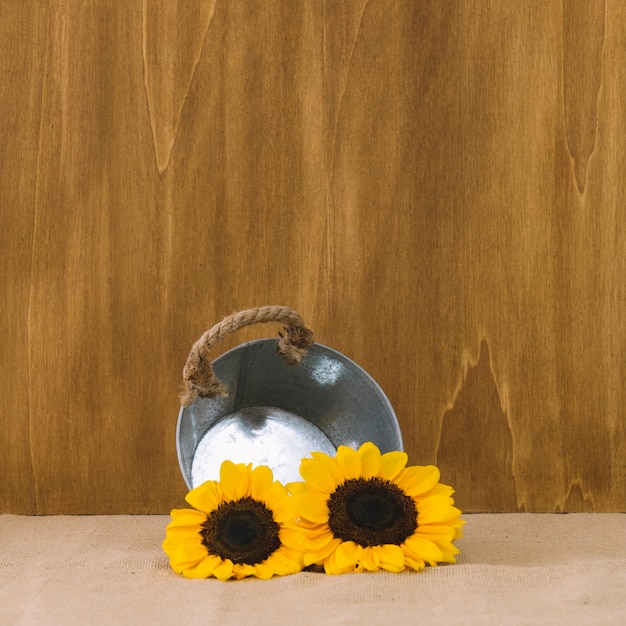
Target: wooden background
[{"x": 437, "y": 187}]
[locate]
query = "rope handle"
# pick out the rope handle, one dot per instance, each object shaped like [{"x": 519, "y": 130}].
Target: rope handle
[{"x": 199, "y": 379}]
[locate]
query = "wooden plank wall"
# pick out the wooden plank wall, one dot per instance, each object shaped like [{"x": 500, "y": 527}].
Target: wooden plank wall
[{"x": 437, "y": 187}]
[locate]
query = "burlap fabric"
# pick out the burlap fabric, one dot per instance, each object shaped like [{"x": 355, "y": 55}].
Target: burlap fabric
[{"x": 513, "y": 569}]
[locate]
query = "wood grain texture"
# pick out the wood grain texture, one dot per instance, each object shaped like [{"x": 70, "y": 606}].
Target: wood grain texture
[{"x": 438, "y": 188}]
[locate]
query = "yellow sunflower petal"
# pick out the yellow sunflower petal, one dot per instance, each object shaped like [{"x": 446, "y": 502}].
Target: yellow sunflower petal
[
  {"x": 444, "y": 531},
  {"x": 330, "y": 463},
  {"x": 186, "y": 551},
  {"x": 318, "y": 557},
  {"x": 422, "y": 548},
  {"x": 348, "y": 553},
  {"x": 224, "y": 570},
  {"x": 179, "y": 567},
  {"x": 349, "y": 462},
  {"x": 242, "y": 570},
  {"x": 295, "y": 535},
  {"x": 234, "y": 480},
  {"x": 278, "y": 501},
  {"x": 437, "y": 533},
  {"x": 205, "y": 497},
  {"x": 307, "y": 526},
  {"x": 186, "y": 517},
  {"x": 185, "y": 520},
  {"x": 312, "y": 507},
  {"x": 317, "y": 475},
  {"x": 416, "y": 564},
  {"x": 391, "y": 557},
  {"x": 296, "y": 487},
  {"x": 290, "y": 537},
  {"x": 440, "y": 490},
  {"x": 182, "y": 533},
  {"x": 204, "y": 569},
  {"x": 436, "y": 510},
  {"x": 261, "y": 479},
  {"x": 293, "y": 554},
  {"x": 344, "y": 558},
  {"x": 175, "y": 534},
  {"x": 307, "y": 542},
  {"x": 447, "y": 556},
  {"x": 392, "y": 463},
  {"x": 370, "y": 559},
  {"x": 370, "y": 460},
  {"x": 188, "y": 546},
  {"x": 418, "y": 480},
  {"x": 263, "y": 571},
  {"x": 174, "y": 539},
  {"x": 282, "y": 563}
]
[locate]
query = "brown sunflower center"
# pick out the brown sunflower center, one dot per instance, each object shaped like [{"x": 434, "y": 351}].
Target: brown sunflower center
[
  {"x": 243, "y": 531},
  {"x": 371, "y": 512}
]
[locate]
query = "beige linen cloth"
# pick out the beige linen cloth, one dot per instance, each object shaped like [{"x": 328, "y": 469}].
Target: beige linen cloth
[{"x": 513, "y": 569}]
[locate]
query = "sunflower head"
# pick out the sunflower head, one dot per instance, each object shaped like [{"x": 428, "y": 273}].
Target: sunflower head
[
  {"x": 237, "y": 527},
  {"x": 363, "y": 510}
]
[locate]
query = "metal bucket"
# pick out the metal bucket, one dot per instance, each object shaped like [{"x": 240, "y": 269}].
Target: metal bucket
[{"x": 275, "y": 413}]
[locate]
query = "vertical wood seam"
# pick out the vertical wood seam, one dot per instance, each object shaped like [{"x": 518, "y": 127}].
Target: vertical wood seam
[
  {"x": 163, "y": 160},
  {"x": 578, "y": 152},
  {"x": 33, "y": 248}
]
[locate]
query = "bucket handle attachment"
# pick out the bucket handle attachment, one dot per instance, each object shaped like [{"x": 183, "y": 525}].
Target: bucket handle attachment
[{"x": 199, "y": 379}]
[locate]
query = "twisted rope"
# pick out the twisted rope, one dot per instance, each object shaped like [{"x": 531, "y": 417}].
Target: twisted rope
[{"x": 199, "y": 379}]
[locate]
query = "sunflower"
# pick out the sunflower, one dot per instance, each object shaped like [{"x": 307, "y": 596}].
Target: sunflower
[
  {"x": 236, "y": 529},
  {"x": 364, "y": 511}
]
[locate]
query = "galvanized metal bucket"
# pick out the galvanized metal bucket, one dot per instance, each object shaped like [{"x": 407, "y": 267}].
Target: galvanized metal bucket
[{"x": 276, "y": 413}]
